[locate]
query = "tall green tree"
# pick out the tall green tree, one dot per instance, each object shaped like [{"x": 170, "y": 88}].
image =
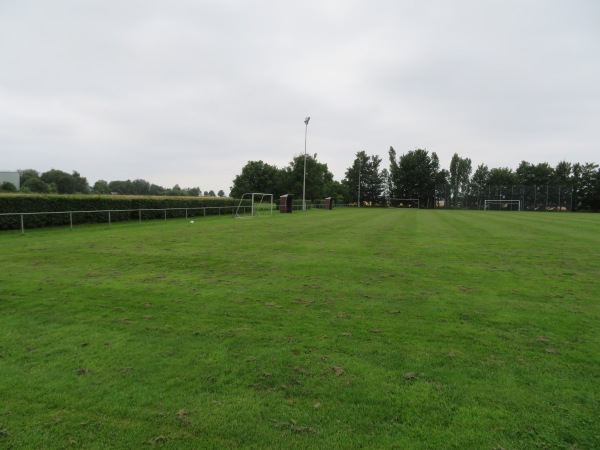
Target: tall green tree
[
  {"x": 35, "y": 185},
  {"x": 52, "y": 177},
  {"x": 365, "y": 170},
  {"x": 140, "y": 187},
  {"x": 501, "y": 176},
  {"x": 586, "y": 186},
  {"x": 528, "y": 174},
  {"x": 27, "y": 174},
  {"x": 460, "y": 171},
  {"x": 318, "y": 177},
  {"x": 80, "y": 183},
  {"x": 101, "y": 187},
  {"x": 120, "y": 187},
  {"x": 562, "y": 173},
  {"x": 394, "y": 172},
  {"x": 416, "y": 175},
  {"x": 66, "y": 185},
  {"x": 481, "y": 176},
  {"x": 256, "y": 176}
]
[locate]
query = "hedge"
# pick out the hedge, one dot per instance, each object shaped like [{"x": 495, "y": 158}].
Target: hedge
[{"x": 89, "y": 204}]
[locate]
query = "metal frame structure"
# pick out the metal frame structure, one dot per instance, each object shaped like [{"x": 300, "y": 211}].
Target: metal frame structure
[
  {"x": 255, "y": 206},
  {"x": 501, "y": 202}
]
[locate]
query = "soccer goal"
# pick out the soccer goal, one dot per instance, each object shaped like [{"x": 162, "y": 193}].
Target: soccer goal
[
  {"x": 404, "y": 203},
  {"x": 254, "y": 204},
  {"x": 502, "y": 205}
]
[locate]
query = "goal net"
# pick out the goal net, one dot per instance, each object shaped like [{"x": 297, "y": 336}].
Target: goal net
[
  {"x": 254, "y": 204},
  {"x": 404, "y": 203},
  {"x": 502, "y": 205}
]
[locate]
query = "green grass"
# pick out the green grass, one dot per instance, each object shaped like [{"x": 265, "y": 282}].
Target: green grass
[{"x": 327, "y": 329}]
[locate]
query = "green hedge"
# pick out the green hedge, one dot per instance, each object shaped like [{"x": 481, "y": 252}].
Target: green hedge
[{"x": 135, "y": 205}]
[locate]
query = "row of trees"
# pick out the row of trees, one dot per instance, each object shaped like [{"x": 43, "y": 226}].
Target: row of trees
[
  {"x": 258, "y": 176},
  {"x": 60, "y": 182},
  {"x": 416, "y": 174}
]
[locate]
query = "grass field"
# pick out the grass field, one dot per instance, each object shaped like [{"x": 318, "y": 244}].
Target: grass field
[{"x": 352, "y": 328}]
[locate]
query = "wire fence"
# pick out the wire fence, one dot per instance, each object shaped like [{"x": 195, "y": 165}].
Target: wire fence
[{"x": 532, "y": 198}]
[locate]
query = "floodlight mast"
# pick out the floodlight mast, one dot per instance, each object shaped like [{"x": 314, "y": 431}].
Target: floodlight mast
[
  {"x": 306, "y": 120},
  {"x": 359, "y": 171}
]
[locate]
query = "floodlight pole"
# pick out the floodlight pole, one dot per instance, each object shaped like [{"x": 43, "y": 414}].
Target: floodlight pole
[
  {"x": 359, "y": 170},
  {"x": 304, "y": 179}
]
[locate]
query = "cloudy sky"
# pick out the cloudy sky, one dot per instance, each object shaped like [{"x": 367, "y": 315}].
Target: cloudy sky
[{"x": 189, "y": 91}]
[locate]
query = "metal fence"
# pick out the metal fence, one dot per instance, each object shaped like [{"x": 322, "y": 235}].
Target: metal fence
[
  {"x": 42, "y": 219},
  {"x": 532, "y": 198}
]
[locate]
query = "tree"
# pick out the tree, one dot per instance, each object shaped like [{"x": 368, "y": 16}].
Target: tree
[
  {"x": 193, "y": 192},
  {"x": 339, "y": 192},
  {"x": 158, "y": 190},
  {"x": 211, "y": 193},
  {"x": 256, "y": 176},
  {"x": 66, "y": 185},
  {"x": 365, "y": 169},
  {"x": 502, "y": 176},
  {"x": 221, "y": 193},
  {"x": 101, "y": 187},
  {"x": 394, "y": 172},
  {"x": 80, "y": 183},
  {"x": 562, "y": 173},
  {"x": 318, "y": 178},
  {"x": 120, "y": 187},
  {"x": 528, "y": 174},
  {"x": 140, "y": 187},
  {"x": 385, "y": 177},
  {"x": 35, "y": 185},
  {"x": 7, "y": 186},
  {"x": 415, "y": 176},
  {"x": 28, "y": 174},
  {"x": 53, "y": 177},
  {"x": 460, "y": 171},
  {"x": 481, "y": 176},
  {"x": 176, "y": 191},
  {"x": 586, "y": 186}
]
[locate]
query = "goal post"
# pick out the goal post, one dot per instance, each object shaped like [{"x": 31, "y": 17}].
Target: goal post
[
  {"x": 404, "y": 203},
  {"x": 254, "y": 204},
  {"x": 502, "y": 205}
]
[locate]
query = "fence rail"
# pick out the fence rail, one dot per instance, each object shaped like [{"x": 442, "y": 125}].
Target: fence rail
[{"x": 123, "y": 215}]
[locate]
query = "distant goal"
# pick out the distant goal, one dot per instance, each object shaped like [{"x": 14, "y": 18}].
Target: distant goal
[
  {"x": 502, "y": 205},
  {"x": 404, "y": 203},
  {"x": 254, "y": 204}
]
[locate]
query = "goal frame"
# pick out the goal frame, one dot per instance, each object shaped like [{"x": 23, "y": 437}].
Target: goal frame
[
  {"x": 255, "y": 205},
  {"x": 501, "y": 202},
  {"x": 404, "y": 199}
]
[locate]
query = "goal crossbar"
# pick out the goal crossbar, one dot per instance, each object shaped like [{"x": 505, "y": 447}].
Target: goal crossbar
[{"x": 258, "y": 205}]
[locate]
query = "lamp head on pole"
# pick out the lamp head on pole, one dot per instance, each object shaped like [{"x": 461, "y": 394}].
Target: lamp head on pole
[{"x": 306, "y": 120}]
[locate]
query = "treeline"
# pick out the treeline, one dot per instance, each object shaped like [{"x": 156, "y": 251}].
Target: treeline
[
  {"x": 417, "y": 174},
  {"x": 59, "y": 182}
]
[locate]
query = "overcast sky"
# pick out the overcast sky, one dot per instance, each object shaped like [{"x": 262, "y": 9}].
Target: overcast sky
[{"x": 189, "y": 91}]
